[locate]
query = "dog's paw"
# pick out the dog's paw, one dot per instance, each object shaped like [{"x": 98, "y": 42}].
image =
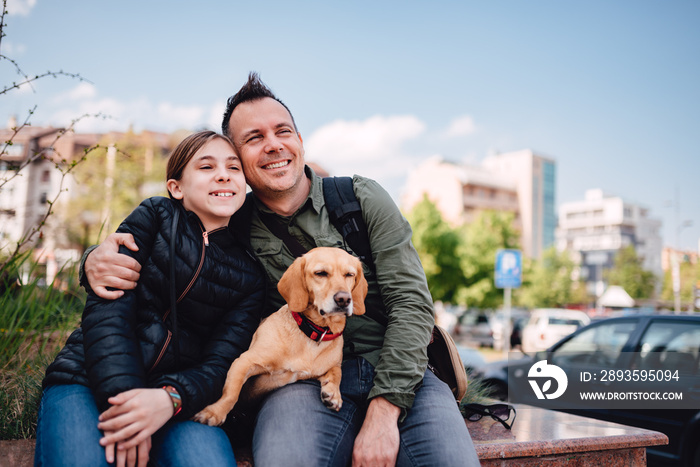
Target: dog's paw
[
  {"x": 331, "y": 397},
  {"x": 209, "y": 416}
]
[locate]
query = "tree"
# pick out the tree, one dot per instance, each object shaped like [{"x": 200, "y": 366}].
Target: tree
[
  {"x": 628, "y": 273},
  {"x": 437, "y": 245},
  {"x": 126, "y": 169},
  {"x": 548, "y": 282},
  {"x": 690, "y": 278},
  {"x": 62, "y": 164},
  {"x": 490, "y": 231}
]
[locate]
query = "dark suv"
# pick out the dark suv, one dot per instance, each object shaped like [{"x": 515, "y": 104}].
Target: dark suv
[{"x": 637, "y": 344}]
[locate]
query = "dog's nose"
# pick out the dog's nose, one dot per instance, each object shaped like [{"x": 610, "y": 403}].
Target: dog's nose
[{"x": 342, "y": 299}]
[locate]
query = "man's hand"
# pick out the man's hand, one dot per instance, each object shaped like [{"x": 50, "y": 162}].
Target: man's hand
[
  {"x": 106, "y": 267},
  {"x": 377, "y": 443}
]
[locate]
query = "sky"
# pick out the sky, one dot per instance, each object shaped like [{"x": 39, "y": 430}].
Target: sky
[{"x": 609, "y": 89}]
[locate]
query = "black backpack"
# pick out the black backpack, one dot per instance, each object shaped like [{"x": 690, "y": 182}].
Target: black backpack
[{"x": 346, "y": 216}]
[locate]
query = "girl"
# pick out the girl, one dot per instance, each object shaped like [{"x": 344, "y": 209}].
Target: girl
[{"x": 129, "y": 379}]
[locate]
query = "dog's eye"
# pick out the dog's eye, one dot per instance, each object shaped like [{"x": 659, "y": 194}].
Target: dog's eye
[
  {"x": 321, "y": 273},
  {"x": 349, "y": 274}
]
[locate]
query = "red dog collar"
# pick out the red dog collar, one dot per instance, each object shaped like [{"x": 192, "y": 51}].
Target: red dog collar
[{"x": 313, "y": 331}]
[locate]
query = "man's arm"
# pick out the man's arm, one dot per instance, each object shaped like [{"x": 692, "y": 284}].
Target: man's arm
[
  {"x": 407, "y": 300},
  {"x": 105, "y": 267},
  {"x": 377, "y": 443}
]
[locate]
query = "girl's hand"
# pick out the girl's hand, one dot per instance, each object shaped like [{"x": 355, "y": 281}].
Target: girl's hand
[{"x": 134, "y": 416}]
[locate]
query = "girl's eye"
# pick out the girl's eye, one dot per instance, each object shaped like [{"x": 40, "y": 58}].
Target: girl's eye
[{"x": 205, "y": 167}]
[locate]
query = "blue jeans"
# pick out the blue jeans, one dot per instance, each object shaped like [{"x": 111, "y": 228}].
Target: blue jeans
[
  {"x": 67, "y": 434},
  {"x": 294, "y": 428}
]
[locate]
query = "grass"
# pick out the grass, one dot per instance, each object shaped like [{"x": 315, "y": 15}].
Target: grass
[{"x": 34, "y": 323}]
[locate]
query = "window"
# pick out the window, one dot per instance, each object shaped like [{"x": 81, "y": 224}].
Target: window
[
  {"x": 670, "y": 346},
  {"x": 46, "y": 176},
  {"x": 597, "y": 346}
]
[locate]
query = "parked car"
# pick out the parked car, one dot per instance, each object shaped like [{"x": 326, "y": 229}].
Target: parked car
[
  {"x": 474, "y": 328},
  {"x": 518, "y": 318},
  {"x": 547, "y": 326},
  {"x": 668, "y": 342}
]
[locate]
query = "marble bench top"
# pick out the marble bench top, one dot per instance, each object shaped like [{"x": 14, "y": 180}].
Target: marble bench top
[{"x": 539, "y": 432}]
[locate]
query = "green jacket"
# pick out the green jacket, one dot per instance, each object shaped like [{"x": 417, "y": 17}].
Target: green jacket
[{"x": 399, "y": 288}]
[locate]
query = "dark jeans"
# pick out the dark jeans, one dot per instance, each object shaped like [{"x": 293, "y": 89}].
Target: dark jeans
[{"x": 294, "y": 428}]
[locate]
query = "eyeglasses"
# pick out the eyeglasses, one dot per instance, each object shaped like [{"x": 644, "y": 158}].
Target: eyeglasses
[{"x": 499, "y": 412}]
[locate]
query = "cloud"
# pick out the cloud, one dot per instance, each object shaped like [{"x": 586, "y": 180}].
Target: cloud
[
  {"x": 140, "y": 113},
  {"x": 461, "y": 126},
  {"x": 355, "y": 143},
  {"x": 216, "y": 115},
  {"x": 80, "y": 92},
  {"x": 11, "y": 49},
  {"x": 20, "y": 7},
  {"x": 375, "y": 147},
  {"x": 173, "y": 116}
]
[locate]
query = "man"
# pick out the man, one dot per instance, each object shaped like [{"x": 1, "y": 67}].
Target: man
[{"x": 394, "y": 411}]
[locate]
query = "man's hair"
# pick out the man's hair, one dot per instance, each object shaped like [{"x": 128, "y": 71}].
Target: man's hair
[{"x": 252, "y": 90}]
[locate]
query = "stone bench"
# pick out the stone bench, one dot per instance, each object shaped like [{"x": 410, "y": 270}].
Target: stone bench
[
  {"x": 546, "y": 437},
  {"x": 538, "y": 436}
]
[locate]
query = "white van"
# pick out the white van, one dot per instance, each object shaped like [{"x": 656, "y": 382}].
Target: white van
[{"x": 547, "y": 326}]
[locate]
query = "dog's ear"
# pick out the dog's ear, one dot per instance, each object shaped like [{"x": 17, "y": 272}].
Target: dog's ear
[
  {"x": 292, "y": 286},
  {"x": 359, "y": 292}
]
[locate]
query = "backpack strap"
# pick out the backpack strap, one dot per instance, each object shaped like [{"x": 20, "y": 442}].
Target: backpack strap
[
  {"x": 280, "y": 231},
  {"x": 345, "y": 214}
]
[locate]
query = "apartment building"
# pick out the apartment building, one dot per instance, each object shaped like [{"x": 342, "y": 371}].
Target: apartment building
[
  {"x": 594, "y": 229},
  {"x": 31, "y": 176},
  {"x": 519, "y": 182}
]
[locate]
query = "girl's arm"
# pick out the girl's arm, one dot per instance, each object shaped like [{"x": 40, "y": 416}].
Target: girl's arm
[
  {"x": 112, "y": 351},
  {"x": 202, "y": 384}
]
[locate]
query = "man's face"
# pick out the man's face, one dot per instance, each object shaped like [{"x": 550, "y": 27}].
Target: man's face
[{"x": 270, "y": 149}]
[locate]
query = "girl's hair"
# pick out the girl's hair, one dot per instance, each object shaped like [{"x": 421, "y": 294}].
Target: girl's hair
[{"x": 188, "y": 147}]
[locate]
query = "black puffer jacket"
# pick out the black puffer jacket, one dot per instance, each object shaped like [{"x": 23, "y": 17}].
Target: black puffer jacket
[{"x": 128, "y": 342}]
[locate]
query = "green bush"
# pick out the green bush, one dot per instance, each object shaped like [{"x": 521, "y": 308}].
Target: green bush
[{"x": 35, "y": 321}]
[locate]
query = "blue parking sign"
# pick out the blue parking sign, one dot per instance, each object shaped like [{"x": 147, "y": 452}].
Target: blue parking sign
[{"x": 509, "y": 269}]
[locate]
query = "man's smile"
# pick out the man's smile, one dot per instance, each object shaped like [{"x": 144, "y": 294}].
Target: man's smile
[{"x": 276, "y": 165}]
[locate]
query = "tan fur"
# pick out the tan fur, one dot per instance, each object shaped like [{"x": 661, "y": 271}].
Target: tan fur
[{"x": 280, "y": 352}]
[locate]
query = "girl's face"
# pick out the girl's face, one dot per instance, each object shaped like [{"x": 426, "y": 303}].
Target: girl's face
[{"x": 212, "y": 184}]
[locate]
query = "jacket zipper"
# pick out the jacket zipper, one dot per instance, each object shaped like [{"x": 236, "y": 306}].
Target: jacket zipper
[{"x": 205, "y": 243}]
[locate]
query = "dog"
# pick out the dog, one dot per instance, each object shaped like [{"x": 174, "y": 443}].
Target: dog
[{"x": 303, "y": 339}]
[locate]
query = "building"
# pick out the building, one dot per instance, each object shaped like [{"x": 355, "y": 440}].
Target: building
[
  {"x": 594, "y": 229},
  {"x": 520, "y": 182},
  {"x": 33, "y": 172},
  {"x": 31, "y": 176},
  {"x": 684, "y": 256}
]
